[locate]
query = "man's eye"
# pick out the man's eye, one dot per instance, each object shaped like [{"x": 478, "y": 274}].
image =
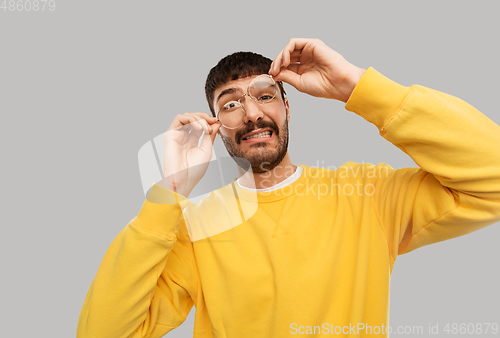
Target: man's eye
[
  {"x": 265, "y": 98},
  {"x": 230, "y": 105}
]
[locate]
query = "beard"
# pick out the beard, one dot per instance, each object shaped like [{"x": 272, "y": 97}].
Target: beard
[{"x": 260, "y": 158}]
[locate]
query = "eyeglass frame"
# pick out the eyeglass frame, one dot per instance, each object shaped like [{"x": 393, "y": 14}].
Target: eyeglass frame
[{"x": 281, "y": 90}]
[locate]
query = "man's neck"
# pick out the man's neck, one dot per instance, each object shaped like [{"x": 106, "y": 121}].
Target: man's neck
[{"x": 269, "y": 178}]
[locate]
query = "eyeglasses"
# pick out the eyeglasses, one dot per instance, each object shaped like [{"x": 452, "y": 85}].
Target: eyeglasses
[{"x": 262, "y": 90}]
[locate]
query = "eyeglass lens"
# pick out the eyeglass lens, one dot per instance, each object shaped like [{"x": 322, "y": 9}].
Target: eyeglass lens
[{"x": 262, "y": 90}]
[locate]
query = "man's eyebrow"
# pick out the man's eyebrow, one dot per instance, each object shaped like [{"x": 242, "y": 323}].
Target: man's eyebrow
[{"x": 225, "y": 92}]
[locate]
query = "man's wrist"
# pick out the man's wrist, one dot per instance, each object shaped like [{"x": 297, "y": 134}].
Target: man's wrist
[
  {"x": 170, "y": 184},
  {"x": 377, "y": 98},
  {"x": 352, "y": 81}
]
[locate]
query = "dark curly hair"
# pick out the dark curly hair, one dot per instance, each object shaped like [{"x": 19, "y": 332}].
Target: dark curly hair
[{"x": 233, "y": 67}]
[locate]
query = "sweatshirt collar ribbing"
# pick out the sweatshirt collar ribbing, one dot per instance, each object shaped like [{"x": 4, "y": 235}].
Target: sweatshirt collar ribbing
[{"x": 275, "y": 195}]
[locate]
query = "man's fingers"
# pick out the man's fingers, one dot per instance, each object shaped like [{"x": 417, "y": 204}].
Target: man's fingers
[
  {"x": 295, "y": 58},
  {"x": 215, "y": 129},
  {"x": 207, "y": 140},
  {"x": 204, "y": 124},
  {"x": 293, "y": 48},
  {"x": 186, "y": 122},
  {"x": 205, "y": 116},
  {"x": 198, "y": 121},
  {"x": 290, "y": 76},
  {"x": 289, "y": 54},
  {"x": 204, "y": 120},
  {"x": 194, "y": 124}
]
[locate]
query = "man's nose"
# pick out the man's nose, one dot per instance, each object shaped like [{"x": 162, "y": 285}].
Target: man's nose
[{"x": 252, "y": 111}]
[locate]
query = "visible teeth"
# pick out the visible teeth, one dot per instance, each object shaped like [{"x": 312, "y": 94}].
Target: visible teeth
[{"x": 263, "y": 134}]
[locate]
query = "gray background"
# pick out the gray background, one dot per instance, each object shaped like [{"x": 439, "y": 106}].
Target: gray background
[{"x": 84, "y": 87}]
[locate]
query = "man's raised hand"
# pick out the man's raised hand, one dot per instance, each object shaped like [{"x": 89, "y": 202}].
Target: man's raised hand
[
  {"x": 184, "y": 162},
  {"x": 314, "y": 68}
]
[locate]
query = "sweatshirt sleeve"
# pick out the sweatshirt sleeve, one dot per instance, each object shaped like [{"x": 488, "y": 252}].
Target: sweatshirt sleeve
[
  {"x": 147, "y": 281},
  {"x": 456, "y": 189}
]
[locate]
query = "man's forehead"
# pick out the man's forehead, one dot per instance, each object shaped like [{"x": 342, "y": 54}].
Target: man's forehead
[{"x": 240, "y": 84}]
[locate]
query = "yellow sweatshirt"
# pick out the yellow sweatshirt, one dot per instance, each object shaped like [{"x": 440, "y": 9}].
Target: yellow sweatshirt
[{"x": 315, "y": 256}]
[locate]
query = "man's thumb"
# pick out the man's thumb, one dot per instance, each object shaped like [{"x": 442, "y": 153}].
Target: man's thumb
[
  {"x": 215, "y": 128},
  {"x": 289, "y": 77}
]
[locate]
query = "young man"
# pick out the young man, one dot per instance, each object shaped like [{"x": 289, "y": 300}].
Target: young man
[{"x": 316, "y": 255}]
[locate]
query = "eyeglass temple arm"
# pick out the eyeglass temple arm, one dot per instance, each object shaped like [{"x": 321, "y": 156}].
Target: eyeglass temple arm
[{"x": 280, "y": 83}]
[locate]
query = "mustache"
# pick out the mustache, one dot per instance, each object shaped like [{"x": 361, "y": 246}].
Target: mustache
[{"x": 253, "y": 126}]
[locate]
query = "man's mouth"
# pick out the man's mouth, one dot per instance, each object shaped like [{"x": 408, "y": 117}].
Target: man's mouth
[{"x": 259, "y": 136}]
